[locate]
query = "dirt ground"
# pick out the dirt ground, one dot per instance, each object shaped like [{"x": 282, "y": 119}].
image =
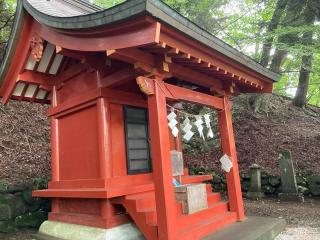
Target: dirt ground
[{"x": 303, "y": 219}]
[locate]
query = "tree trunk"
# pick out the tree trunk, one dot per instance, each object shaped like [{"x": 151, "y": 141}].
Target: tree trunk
[
  {"x": 301, "y": 95},
  {"x": 300, "y": 98},
  {"x": 265, "y": 56},
  {"x": 294, "y": 11},
  {"x": 278, "y": 57}
]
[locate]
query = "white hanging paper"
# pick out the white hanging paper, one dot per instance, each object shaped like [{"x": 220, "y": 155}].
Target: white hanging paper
[
  {"x": 172, "y": 115},
  {"x": 187, "y": 129},
  {"x": 226, "y": 163},
  {"x": 175, "y": 131},
  {"x": 173, "y": 123},
  {"x": 207, "y": 120},
  {"x": 188, "y": 136},
  {"x": 199, "y": 126}
]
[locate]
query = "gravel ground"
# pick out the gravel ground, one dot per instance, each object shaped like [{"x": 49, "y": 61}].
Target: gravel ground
[
  {"x": 20, "y": 235},
  {"x": 303, "y": 219}
]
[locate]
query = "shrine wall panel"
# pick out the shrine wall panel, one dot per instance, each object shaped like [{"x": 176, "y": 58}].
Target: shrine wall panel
[{"x": 78, "y": 145}]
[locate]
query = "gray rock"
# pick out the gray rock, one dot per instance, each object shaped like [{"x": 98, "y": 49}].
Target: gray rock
[{"x": 5, "y": 212}]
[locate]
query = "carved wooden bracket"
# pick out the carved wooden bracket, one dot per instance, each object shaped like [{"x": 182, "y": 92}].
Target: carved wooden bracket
[
  {"x": 146, "y": 85},
  {"x": 37, "y": 47}
]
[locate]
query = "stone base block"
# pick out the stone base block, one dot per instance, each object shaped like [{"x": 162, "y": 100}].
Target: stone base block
[
  {"x": 51, "y": 230},
  {"x": 255, "y": 195},
  {"x": 292, "y": 197},
  {"x": 253, "y": 228}
]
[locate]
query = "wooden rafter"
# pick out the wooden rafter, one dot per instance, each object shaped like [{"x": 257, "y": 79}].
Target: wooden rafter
[
  {"x": 144, "y": 62},
  {"x": 202, "y": 62}
]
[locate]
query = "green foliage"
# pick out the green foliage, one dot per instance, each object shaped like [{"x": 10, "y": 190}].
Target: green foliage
[{"x": 7, "y": 10}]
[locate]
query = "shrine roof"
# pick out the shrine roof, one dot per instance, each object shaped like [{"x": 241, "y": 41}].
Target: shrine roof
[{"x": 80, "y": 15}]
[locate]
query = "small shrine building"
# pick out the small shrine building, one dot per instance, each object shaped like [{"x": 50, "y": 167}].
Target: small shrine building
[{"x": 108, "y": 76}]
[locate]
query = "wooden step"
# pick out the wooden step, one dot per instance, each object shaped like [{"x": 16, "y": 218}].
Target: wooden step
[
  {"x": 195, "y": 179},
  {"x": 206, "y": 226},
  {"x": 213, "y": 210},
  {"x": 145, "y": 218},
  {"x": 213, "y": 198},
  {"x": 143, "y": 200}
]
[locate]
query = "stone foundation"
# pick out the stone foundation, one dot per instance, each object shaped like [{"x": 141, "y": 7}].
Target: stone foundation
[{"x": 66, "y": 231}]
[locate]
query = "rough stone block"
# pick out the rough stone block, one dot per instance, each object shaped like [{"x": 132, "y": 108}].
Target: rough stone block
[
  {"x": 15, "y": 202},
  {"x": 5, "y": 212}
]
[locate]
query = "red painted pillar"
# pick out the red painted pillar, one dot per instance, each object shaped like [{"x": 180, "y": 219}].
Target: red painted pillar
[
  {"x": 162, "y": 169},
  {"x": 229, "y": 148},
  {"x": 54, "y": 139}
]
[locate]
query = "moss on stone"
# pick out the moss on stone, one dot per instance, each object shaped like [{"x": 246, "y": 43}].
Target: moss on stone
[{"x": 31, "y": 220}]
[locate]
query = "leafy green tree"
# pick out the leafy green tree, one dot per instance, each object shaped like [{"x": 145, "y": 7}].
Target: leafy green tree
[{"x": 7, "y": 10}]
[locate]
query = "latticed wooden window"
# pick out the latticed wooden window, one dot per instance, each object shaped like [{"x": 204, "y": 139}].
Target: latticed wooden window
[{"x": 137, "y": 140}]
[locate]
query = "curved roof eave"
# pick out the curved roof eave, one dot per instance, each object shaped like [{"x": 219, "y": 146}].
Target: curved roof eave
[
  {"x": 127, "y": 10},
  {"x": 13, "y": 40}
]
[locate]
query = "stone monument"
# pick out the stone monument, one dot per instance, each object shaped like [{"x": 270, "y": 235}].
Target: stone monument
[
  {"x": 288, "y": 178},
  {"x": 255, "y": 183}
]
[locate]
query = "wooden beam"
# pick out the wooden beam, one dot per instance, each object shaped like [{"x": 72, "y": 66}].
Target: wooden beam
[
  {"x": 131, "y": 55},
  {"x": 176, "y": 93},
  {"x": 41, "y": 79},
  {"x": 118, "y": 77},
  {"x": 188, "y": 95}
]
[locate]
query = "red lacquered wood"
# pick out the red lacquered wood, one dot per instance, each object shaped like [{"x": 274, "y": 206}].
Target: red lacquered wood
[
  {"x": 54, "y": 140},
  {"x": 195, "y": 179},
  {"x": 161, "y": 162},
  {"x": 118, "y": 145},
  {"x": 229, "y": 148},
  {"x": 18, "y": 60},
  {"x": 104, "y": 143},
  {"x": 184, "y": 94},
  {"x": 115, "y": 37}
]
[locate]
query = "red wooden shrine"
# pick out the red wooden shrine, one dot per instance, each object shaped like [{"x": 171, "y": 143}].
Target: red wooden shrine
[{"x": 108, "y": 84}]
